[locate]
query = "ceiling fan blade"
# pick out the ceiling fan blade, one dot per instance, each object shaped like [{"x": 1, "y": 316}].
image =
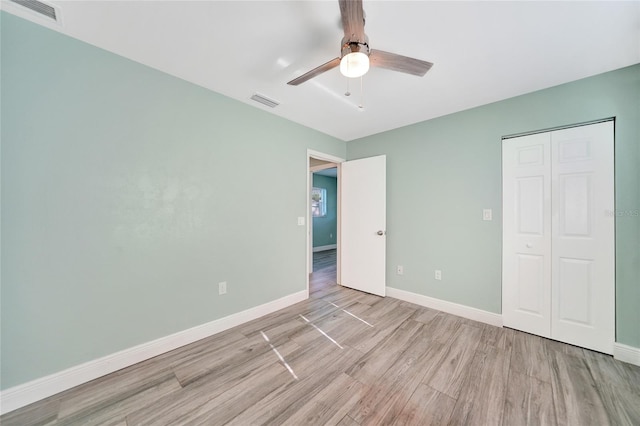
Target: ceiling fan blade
[
  {"x": 395, "y": 62},
  {"x": 352, "y": 20},
  {"x": 315, "y": 72}
]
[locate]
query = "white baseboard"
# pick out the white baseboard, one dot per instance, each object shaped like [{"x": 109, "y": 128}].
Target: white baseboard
[
  {"x": 626, "y": 353},
  {"x": 27, "y": 393},
  {"x": 448, "y": 307},
  {"x": 323, "y": 248}
]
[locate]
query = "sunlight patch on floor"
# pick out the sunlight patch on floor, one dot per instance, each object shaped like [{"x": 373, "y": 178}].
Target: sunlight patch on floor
[
  {"x": 321, "y": 332},
  {"x": 273, "y": 348},
  {"x": 349, "y": 313}
]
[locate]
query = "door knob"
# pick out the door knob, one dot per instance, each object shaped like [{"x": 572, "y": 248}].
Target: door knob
[
  {"x": 529, "y": 245},
  {"x": 380, "y": 233}
]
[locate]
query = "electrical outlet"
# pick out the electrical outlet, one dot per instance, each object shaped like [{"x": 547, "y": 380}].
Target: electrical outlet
[
  {"x": 399, "y": 270},
  {"x": 438, "y": 274},
  {"x": 222, "y": 287}
]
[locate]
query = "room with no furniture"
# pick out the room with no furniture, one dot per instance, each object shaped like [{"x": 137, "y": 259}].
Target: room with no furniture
[{"x": 324, "y": 212}]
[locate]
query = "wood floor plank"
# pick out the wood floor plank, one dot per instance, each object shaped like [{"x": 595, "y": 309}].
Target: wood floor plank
[
  {"x": 443, "y": 327},
  {"x": 312, "y": 359},
  {"x": 347, "y": 327},
  {"x": 327, "y": 328},
  {"x": 237, "y": 367},
  {"x": 387, "y": 324},
  {"x": 618, "y": 385},
  {"x": 42, "y": 413},
  {"x": 115, "y": 413},
  {"x": 357, "y": 308},
  {"x": 530, "y": 356},
  {"x": 208, "y": 405},
  {"x": 321, "y": 311},
  {"x": 621, "y": 404},
  {"x": 229, "y": 405},
  {"x": 330, "y": 405},
  {"x": 377, "y": 361},
  {"x": 276, "y": 407},
  {"x": 605, "y": 369},
  {"x": 109, "y": 390},
  {"x": 348, "y": 421},
  {"x": 563, "y": 348},
  {"x": 496, "y": 338},
  {"x": 219, "y": 360},
  {"x": 529, "y": 401},
  {"x": 209, "y": 387},
  {"x": 448, "y": 374},
  {"x": 221, "y": 339},
  {"x": 281, "y": 332},
  {"x": 345, "y": 296},
  {"x": 426, "y": 406},
  {"x": 383, "y": 307},
  {"x": 425, "y": 315},
  {"x": 576, "y": 398},
  {"x": 482, "y": 397},
  {"x": 276, "y": 318},
  {"x": 633, "y": 371},
  {"x": 387, "y": 396}
]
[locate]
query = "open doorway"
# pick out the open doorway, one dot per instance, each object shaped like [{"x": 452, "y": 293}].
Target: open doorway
[
  {"x": 323, "y": 245},
  {"x": 361, "y": 221},
  {"x": 324, "y": 228}
]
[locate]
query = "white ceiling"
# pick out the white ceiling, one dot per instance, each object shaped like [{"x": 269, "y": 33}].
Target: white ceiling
[
  {"x": 332, "y": 172},
  {"x": 483, "y": 51}
]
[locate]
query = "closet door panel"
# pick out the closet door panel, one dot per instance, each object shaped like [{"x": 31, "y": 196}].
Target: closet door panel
[
  {"x": 526, "y": 234},
  {"x": 583, "y": 256}
]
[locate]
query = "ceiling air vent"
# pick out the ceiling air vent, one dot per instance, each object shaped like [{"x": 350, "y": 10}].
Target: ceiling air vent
[
  {"x": 264, "y": 100},
  {"x": 39, "y": 7}
]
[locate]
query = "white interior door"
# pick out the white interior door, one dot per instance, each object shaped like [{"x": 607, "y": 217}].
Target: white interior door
[
  {"x": 558, "y": 235},
  {"x": 363, "y": 190},
  {"x": 583, "y": 262},
  {"x": 526, "y": 255}
]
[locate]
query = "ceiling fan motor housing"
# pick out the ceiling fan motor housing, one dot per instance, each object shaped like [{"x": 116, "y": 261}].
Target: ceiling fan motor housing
[{"x": 351, "y": 46}]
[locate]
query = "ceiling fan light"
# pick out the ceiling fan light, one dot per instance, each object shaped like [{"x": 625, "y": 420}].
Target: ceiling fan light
[{"x": 355, "y": 64}]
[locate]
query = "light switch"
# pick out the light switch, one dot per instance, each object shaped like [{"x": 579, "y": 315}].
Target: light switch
[
  {"x": 300, "y": 220},
  {"x": 487, "y": 214}
]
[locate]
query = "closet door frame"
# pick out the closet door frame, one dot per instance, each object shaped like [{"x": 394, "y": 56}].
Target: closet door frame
[{"x": 570, "y": 170}]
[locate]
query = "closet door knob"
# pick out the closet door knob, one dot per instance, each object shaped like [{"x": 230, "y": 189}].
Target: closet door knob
[{"x": 529, "y": 245}]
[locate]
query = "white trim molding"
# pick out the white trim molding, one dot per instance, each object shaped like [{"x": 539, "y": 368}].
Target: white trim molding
[
  {"x": 323, "y": 248},
  {"x": 626, "y": 353},
  {"x": 27, "y": 393},
  {"x": 445, "y": 306}
]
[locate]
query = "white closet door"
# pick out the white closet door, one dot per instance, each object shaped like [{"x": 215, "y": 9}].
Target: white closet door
[
  {"x": 559, "y": 236},
  {"x": 526, "y": 213},
  {"x": 583, "y": 262}
]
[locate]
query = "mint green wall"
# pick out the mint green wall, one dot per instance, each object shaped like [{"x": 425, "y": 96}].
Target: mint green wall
[
  {"x": 441, "y": 174},
  {"x": 325, "y": 228},
  {"x": 127, "y": 195}
]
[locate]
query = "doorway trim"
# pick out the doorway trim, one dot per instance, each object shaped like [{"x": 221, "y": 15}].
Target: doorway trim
[{"x": 333, "y": 159}]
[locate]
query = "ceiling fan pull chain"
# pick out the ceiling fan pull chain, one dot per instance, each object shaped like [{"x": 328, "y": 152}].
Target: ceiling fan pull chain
[
  {"x": 347, "y": 93},
  {"x": 361, "y": 106}
]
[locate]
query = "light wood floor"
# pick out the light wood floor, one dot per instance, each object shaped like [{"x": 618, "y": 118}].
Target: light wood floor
[{"x": 349, "y": 358}]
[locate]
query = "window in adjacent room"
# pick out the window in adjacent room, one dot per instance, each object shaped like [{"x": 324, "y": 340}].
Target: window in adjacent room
[{"x": 318, "y": 202}]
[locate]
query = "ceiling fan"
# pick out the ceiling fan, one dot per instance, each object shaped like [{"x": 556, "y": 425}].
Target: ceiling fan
[{"x": 356, "y": 57}]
